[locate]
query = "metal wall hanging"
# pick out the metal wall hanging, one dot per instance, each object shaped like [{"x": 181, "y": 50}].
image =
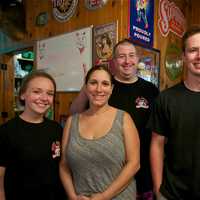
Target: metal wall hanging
[{"x": 64, "y": 10}]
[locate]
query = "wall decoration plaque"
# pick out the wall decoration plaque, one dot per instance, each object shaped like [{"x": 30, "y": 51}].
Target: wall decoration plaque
[
  {"x": 63, "y": 10},
  {"x": 94, "y": 4},
  {"x": 173, "y": 61}
]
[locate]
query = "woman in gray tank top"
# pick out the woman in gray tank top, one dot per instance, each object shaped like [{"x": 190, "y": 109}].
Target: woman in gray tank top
[{"x": 100, "y": 154}]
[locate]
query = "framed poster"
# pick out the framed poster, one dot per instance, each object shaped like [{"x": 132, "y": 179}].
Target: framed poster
[
  {"x": 104, "y": 39},
  {"x": 66, "y": 57},
  {"x": 141, "y": 21},
  {"x": 149, "y": 64}
]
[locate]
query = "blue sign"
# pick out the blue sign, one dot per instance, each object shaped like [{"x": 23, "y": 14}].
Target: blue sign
[{"x": 141, "y": 24}]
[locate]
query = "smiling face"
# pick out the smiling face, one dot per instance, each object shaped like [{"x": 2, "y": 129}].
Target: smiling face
[
  {"x": 191, "y": 55},
  {"x": 126, "y": 60},
  {"x": 99, "y": 88},
  {"x": 38, "y": 96}
]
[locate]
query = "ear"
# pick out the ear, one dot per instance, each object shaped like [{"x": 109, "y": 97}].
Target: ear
[
  {"x": 22, "y": 97},
  {"x": 137, "y": 58}
]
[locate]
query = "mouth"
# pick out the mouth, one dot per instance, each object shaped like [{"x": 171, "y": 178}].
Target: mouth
[
  {"x": 99, "y": 97},
  {"x": 42, "y": 105},
  {"x": 197, "y": 65},
  {"x": 128, "y": 67}
]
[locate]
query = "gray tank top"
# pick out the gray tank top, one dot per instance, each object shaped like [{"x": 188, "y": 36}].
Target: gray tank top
[{"x": 96, "y": 163}]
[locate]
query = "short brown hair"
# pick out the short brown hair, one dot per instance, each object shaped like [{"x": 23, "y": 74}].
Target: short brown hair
[
  {"x": 190, "y": 32},
  {"x": 122, "y": 42},
  {"x": 34, "y": 74}
]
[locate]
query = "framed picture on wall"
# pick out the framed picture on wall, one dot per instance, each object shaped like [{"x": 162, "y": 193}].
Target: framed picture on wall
[
  {"x": 149, "y": 64},
  {"x": 104, "y": 39}
]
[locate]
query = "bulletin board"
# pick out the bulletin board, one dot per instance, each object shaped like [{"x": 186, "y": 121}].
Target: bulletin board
[{"x": 66, "y": 57}]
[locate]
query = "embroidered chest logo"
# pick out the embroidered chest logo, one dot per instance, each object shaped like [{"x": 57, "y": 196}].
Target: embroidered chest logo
[
  {"x": 141, "y": 102},
  {"x": 55, "y": 149}
]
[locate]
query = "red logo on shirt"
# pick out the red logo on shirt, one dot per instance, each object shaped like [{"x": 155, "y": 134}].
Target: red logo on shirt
[
  {"x": 141, "y": 102},
  {"x": 55, "y": 149}
]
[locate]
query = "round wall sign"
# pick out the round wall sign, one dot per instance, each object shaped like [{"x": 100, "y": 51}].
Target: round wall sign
[
  {"x": 173, "y": 61},
  {"x": 94, "y": 4},
  {"x": 63, "y": 10}
]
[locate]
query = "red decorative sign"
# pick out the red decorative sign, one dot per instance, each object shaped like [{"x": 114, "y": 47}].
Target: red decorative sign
[{"x": 170, "y": 19}]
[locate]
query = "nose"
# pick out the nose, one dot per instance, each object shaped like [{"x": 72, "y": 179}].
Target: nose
[
  {"x": 99, "y": 87},
  {"x": 44, "y": 96},
  {"x": 127, "y": 59}
]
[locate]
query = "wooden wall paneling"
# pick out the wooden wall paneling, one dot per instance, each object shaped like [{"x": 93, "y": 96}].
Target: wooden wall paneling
[
  {"x": 123, "y": 22},
  {"x": 112, "y": 11},
  {"x": 33, "y": 9},
  {"x": 7, "y": 87},
  {"x": 1, "y": 92},
  {"x": 193, "y": 11},
  {"x": 62, "y": 103}
]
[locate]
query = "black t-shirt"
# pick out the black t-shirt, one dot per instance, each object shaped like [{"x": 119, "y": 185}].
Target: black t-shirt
[
  {"x": 136, "y": 99},
  {"x": 30, "y": 154},
  {"x": 176, "y": 116}
]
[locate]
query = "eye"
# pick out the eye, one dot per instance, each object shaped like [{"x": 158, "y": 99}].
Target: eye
[
  {"x": 50, "y": 93},
  {"x": 192, "y": 50},
  {"x": 106, "y": 83},
  {"x": 132, "y": 55},
  {"x": 121, "y": 56},
  {"x": 92, "y": 82},
  {"x": 36, "y": 91}
]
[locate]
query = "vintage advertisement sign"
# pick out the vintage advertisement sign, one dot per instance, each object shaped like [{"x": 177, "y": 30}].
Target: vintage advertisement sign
[
  {"x": 105, "y": 37},
  {"x": 141, "y": 18},
  {"x": 170, "y": 19}
]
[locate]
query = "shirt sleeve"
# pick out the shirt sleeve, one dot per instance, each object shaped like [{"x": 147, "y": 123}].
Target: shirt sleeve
[{"x": 158, "y": 120}]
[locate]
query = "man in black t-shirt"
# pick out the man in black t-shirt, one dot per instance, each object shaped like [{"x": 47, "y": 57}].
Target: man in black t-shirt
[{"x": 175, "y": 145}]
